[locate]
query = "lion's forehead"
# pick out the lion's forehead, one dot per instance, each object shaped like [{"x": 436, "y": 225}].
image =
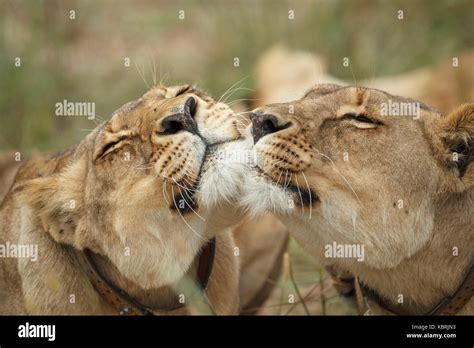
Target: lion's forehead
[
  {"x": 334, "y": 96},
  {"x": 160, "y": 100},
  {"x": 153, "y": 106},
  {"x": 129, "y": 107}
]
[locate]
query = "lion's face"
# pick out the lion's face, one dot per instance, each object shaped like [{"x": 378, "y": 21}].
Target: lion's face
[
  {"x": 131, "y": 189},
  {"x": 348, "y": 170}
]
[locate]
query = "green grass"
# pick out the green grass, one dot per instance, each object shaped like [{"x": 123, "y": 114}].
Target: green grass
[{"x": 82, "y": 59}]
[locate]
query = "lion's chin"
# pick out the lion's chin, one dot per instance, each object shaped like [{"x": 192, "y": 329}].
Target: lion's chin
[
  {"x": 261, "y": 193},
  {"x": 302, "y": 193},
  {"x": 223, "y": 172}
]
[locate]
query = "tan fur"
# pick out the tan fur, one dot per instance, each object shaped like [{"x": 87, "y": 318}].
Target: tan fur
[
  {"x": 117, "y": 201},
  {"x": 393, "y": 187},
  {"x": 261, "y": 261},
  {"x": 8, "y": 168},
  {"x": 48, "y": 284}
]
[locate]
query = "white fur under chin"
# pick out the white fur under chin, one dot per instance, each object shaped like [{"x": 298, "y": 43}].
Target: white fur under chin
[
  {"x": 259, "y": 195},
  {"x": 223, "y": 175},
  {"x": 230, "y": 175}
]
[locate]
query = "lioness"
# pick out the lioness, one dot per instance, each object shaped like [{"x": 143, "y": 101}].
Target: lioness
[
  {"x": 117, "y": 224},
  {"x": 386, "y": 197}
]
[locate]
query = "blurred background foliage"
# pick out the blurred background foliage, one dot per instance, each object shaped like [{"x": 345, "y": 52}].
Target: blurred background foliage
[{"x": 83, "y": 59}]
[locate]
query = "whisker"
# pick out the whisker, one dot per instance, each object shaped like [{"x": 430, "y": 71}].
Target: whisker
[
  {"x": 98, "y": 117},
  {"x": 86, "y": 129},
  {"x": 190, "y": 207},
  {"x": 338, "y": 172},
  {"x": 153, "y": 69},
  {"x": 182, "y": 186},
  {"x": 164, "y": 192},
  {"x": 299, "y": 192},
  {"x": 243, "y": 112},
  {"x": 279, "y": 177},
  {"x": 310, "y": 198},
  {"x": 353, "y": 75},
  {"x": 184, "y": 220},
  {"x": 233, "y": 102},
  {"x": 229, "y": 90},
  {"x": 141, "y": 75},
  {"x": 286, "y": 177},
  {"x": 145, "y": 168}
]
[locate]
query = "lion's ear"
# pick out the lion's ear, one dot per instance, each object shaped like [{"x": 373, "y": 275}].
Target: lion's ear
[
  {"x": 456, "y": 131},
  {"x": 55, "y": 204}
]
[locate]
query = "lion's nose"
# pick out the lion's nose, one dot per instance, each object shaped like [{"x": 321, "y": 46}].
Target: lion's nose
[
  {"x": 264, "y": 124},
  {"x": 190, "y": 107},
  {"x": 181, "y": 122}
]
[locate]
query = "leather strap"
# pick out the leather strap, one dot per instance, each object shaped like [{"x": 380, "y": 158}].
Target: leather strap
[
  {"x": 122, "y": 301},
  {"x": 348, "y": 285},
  {"x": 342, "y": 281},
  {"x": 361, "y": 299},
  {"x": 447, "y": 306},
  {"x": 453, "y": 304}
]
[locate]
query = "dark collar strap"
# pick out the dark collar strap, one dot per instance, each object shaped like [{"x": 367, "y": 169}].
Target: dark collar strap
[
  {"x": 206, "y": 262},
  {"x": 122, "y": 301},
  {"x": 453, "y": 304},
  {"x": 447, "y": 306}
]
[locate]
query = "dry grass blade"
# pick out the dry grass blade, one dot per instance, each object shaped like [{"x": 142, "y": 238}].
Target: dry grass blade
[{"x": 295, "y": 286}]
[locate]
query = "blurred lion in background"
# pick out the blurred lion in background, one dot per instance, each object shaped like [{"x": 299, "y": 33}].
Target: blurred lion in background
[{"x": 283, "y": 75}]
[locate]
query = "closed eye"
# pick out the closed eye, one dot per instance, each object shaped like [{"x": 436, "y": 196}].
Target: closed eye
[
  {"x": 361, "y": 118},
  {"x": 183, "y": 90},
  {"x": 108, "y": 148}
]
